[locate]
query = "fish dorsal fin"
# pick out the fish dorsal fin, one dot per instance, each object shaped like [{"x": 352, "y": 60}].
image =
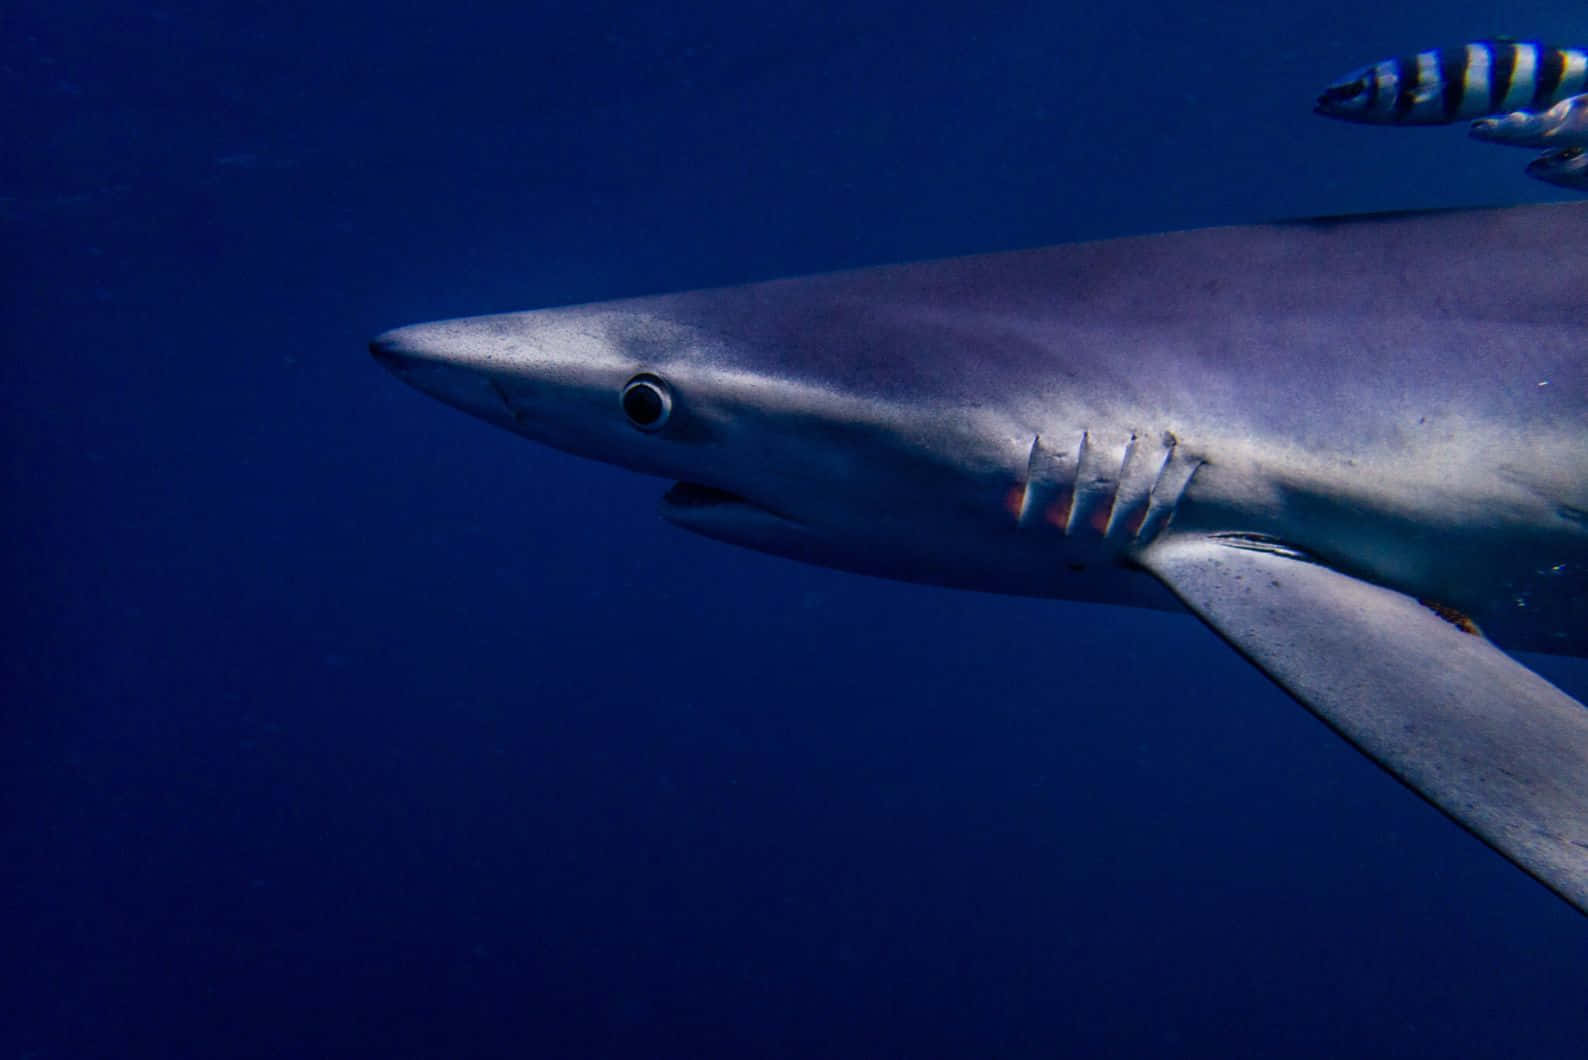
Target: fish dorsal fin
[{"x": 1493, "y": 745}]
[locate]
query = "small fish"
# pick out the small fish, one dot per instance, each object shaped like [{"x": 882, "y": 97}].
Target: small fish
[
  {"x": 1445, "y": 85},
  {"x": 1563, "y": 125},
  {"x": 1565, "y": 167}
]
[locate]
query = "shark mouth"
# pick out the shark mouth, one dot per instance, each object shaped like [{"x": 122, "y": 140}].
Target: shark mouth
[
  {"x": 721, "y": 513},
  {"x": 692, "y": 496}
]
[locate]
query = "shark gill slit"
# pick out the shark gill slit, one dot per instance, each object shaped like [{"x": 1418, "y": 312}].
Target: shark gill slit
[
  {"x": 1022, "y": 506},
  {"x": 1094, "y": 486},
  {"x": 1046, "y": 487},
  {"x": 1139, "y": 475},
  {"x": 1174, "y": 476},
  {"x": 1124, "y": 491},
  {"x": 1124, "y": 488}
]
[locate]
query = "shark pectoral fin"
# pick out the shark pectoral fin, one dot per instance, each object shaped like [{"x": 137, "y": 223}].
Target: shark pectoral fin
[{"x": 1493, "y": 745}]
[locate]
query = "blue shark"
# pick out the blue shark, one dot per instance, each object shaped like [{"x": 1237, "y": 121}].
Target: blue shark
[{"x": 1356, "y": 448}]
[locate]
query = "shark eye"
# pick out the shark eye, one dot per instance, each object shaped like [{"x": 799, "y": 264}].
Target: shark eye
[{"x": 647, "y": 402}]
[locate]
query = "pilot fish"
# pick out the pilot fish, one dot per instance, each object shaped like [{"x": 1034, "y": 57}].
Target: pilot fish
[
  {"x": 1566, "y": 167},
  {"x": 1563, "y": 125},
  {"x": 1445, "y": 85}
]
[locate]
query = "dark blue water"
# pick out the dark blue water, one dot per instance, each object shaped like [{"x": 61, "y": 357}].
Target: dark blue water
[{"x": 336, "y": 723}]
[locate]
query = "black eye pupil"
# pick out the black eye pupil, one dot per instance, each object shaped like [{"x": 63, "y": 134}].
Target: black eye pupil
[
  {"x": 643, "y": 404},
  {"x": 646, "y": 402}
]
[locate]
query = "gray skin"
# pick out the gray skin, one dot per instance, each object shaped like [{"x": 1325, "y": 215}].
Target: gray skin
[
  {"x": 1380, "y": 422},
  {"x": 1563, "y": 125}
]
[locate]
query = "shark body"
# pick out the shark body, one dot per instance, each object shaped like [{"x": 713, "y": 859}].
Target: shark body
[{"x": 1356, "y": 448}]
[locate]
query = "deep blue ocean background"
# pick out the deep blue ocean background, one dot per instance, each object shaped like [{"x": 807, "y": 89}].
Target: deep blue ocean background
[{"x": 336, "y": 723}]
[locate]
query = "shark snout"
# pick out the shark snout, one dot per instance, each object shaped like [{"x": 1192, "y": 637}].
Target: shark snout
[
  {"x": 387, "y": 350},
  {"x": 422, "y": 357},
  {"x": 433, "y": 358},
  {"x": 390, "y": 357},
  {"x": 398, "y": 353}
]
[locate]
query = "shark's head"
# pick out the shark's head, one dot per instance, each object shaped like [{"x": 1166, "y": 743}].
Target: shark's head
[
  {"x": 778, "y": 433},
  {"x": 838, "y": 422}
]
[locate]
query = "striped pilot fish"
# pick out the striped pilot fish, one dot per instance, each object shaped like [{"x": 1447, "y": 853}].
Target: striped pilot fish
[
  {"x": 1566, "y": 167},
  {"x": 1563, "y": 125},
  {"x": 1445, "y": 85}
]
